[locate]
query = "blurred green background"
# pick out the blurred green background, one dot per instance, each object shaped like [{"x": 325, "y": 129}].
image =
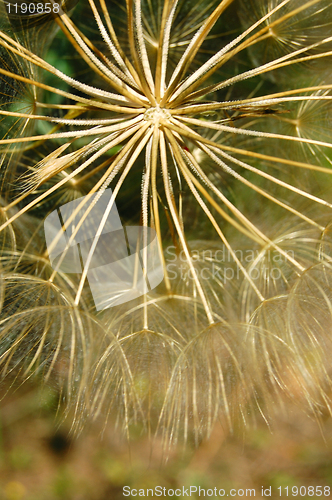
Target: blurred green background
[{"x": 40, "y": 459}]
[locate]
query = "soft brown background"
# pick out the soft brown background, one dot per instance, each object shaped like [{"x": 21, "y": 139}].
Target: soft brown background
[{"x": 40, "y": 460}]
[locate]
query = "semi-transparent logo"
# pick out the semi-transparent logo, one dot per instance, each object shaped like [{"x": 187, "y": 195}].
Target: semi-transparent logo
[{"x": 120, "y": 262}]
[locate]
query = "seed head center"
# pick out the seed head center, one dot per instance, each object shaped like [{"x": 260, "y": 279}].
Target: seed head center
[{"x": 156, "y": 113}]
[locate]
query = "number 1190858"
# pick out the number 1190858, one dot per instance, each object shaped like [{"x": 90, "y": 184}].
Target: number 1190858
[
  {"x": 305, "y": 491},
  {"x": 32, "y": 8}
]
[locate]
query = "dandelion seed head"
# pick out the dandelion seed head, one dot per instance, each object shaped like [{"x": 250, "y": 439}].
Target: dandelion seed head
[{"x": 218, "y": 136}]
